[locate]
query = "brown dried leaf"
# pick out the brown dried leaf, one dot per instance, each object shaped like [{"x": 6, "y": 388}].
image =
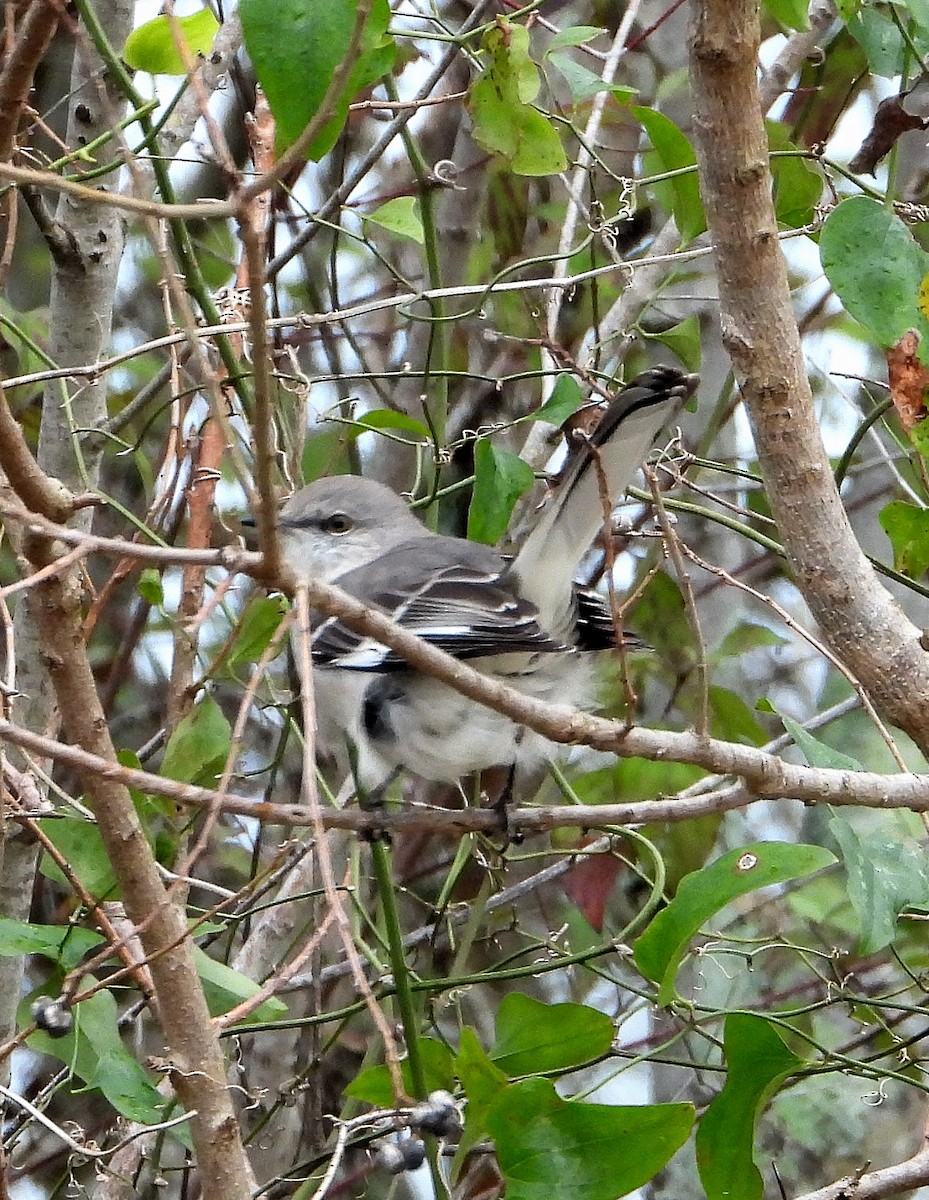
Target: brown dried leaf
[{"x": 909, "y": 380}]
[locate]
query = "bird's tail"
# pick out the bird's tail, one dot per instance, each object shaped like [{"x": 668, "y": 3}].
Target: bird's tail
[{"x": 547, "y": 562}]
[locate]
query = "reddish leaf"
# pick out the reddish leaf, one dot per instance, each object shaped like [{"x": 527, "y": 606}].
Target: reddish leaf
[{"x": 589, "y": 883}]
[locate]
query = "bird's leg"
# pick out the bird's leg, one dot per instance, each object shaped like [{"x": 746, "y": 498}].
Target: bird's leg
[
  {"x": 500, "y": 804},
  {"x": 369, "y": 800}
]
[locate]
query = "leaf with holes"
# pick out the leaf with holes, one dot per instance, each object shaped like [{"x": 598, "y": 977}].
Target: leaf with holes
[
  {"x": 885, "y": 876},
  {"x": 660, "y": 949},
  {"x": 501, "y": 105},
  {"x": 876, "y": 267}
]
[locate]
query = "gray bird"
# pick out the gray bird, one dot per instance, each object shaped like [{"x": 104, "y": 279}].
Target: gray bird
[{"x": 523, "y": 621}]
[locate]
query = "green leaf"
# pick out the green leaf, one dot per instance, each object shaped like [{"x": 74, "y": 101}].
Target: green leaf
[
  {"x": 23, "y": 334},
  {"x": 295, "y": 47},
  {"x": 876, "y": 267},
  {"x": 154, "y": 811},
  {"x": 684, "y": 341},
  {"x": 884, "y": 877},
  {"x": 671, "y": 151},
  {"x": 127, "y": 1087},
  {"x": 798, "y": 187},
  {"x": 576, "y": 35},
  {"x": 919, "y": 11},
  {"x": 792, "y": 14},
  {"x": 758, "y": 1062},
  {"x": 326, "y": 452},
  {"x": 660, "y": 617},
  {"x": 732, "y": 719},
  {"x": 584, "y": 83},
  {"x": 216, "y": 250},
  {"x": 152, "y": 48},
  {"x": 79, "y": 843},
  {"x": 386, "y": 418},
  {"x": 400, "y": 216},
  {"x": 224, "y": 988},
  {"x": 526, "y": 140},
  {"x": 548, "y": 1146},
  {"x": 197, "y": 749},
  {"x": 817, "y": 753},
  {"x": 534, "y": 1037},
  {"x": 150, "y": 587},
  {"x": 259, "y": 623},
  {"x": 374, "y": 1086},
  {"x": 565, "y": 400},
  {"x": 660, "y": 949},
  {"x": 64, "y": 944},
  {"x": 745, "y": 637},
  {"x": 634, "y": 778},
  {"x": 94, "y": 1050},
  {"x": 482, "y": 1082},
  {"x": 501, "y": 105},
  {"x": 908, "y": 529},
  {"x": 919, "y": 434},
  {"x": 881, "y": 39},
  {"x": 500, "y": 478}
]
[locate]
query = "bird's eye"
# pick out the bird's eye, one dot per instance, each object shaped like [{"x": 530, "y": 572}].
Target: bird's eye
[{"x": 338, "y": 522}]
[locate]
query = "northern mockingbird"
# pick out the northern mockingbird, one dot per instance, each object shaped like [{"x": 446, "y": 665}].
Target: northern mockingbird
[{"x": 525, "y": 621}]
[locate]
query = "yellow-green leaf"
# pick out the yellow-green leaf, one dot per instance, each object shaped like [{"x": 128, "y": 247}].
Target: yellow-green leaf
[
  {"x": 153, "y": 46},
  {"x": 401, "y": 216}
]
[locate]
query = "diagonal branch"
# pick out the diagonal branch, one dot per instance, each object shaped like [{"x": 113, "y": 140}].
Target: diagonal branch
[{"x": 874, "y": 1185}]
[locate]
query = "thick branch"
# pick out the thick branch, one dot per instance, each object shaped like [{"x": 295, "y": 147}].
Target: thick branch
[
  {"x": 199, "y": 1067},
  {"x": 766, "y": 775},
  {"x": 858, "y": 618}
]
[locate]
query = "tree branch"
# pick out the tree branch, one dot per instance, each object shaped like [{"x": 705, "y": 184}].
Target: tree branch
[
  {"x": 766, "y": 776},
  {"x": 875, "y": 1185},
  {"x": 197, "y": 1060},
  {"x": 859, "y": 619}
]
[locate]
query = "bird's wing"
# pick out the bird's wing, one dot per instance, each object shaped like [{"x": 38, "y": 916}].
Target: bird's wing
[{"x": 470, "y": 609}]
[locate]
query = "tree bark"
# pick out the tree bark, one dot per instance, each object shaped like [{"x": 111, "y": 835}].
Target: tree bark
[{"x": 859, "y": 619}]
